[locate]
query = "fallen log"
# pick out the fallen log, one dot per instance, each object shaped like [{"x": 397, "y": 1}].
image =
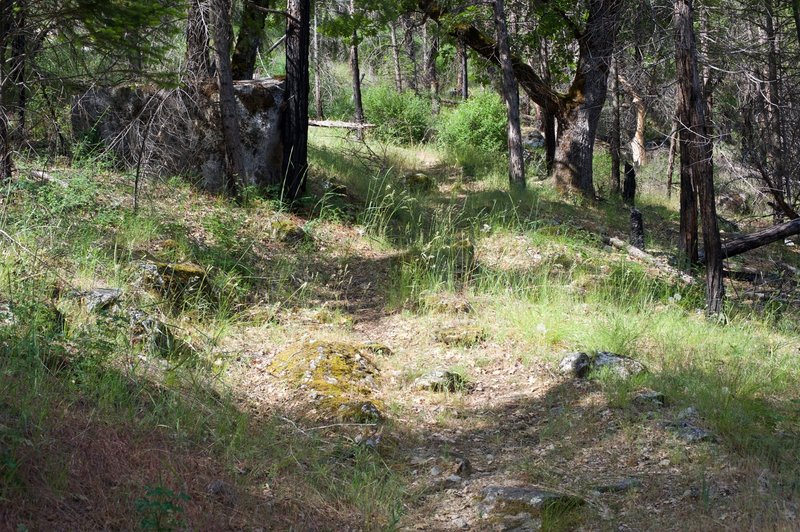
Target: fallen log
[
  {"x": 759, "y": 238},
  {"x": 339, "y": 123},
  {"x": 647, "y": 257}
]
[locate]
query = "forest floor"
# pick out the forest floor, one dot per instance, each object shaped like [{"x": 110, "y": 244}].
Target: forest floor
[{"x": 400, "y": 265}]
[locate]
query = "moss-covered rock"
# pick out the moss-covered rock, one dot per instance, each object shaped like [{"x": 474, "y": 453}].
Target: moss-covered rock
[
  {"x": 173, "y": 278},
  {"x": 340, "y": 377},
  {"x": 286, "y": 230},
  {"x": 419, "y": 182},
  {"x": 461, "y": 335}
]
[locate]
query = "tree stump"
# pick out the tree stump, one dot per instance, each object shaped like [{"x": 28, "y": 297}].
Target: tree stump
[{"x": 637, "y": 229}]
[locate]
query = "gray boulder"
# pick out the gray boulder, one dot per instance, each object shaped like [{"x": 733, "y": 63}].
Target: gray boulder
[
  {"x": 440, "y": 381},
  {"x": 575, "y": 365}
]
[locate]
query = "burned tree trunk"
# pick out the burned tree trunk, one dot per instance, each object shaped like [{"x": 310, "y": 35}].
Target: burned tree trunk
[
  {"x": 697, "y": 147},
  {"x": 295, "y": 123},
  {"x": 629, "y": 186},
  {"x": 248, "y": 41},
  {"x": 637, "y": 229},
  {"x": 411, "y": 52},
  {"x": 227, "y": 101},
  {"x": 516, "y": 164}
]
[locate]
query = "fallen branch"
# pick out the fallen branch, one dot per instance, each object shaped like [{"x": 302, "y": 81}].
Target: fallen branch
[
  {"x": 44, "y": 176},
  {"x": 759, "y": 239},
  {"x": 340, "y": 124},
  {"x": 647, "y": 257}
]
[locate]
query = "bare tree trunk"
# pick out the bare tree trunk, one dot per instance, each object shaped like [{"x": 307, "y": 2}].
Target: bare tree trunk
[
  {"x": 18, "y": 64},
  {"x": 295, "y": 123},
  {"x": 774, "y": 107},
  {"x": 615, "y": 128},
  {"x": 463, "y": 71},
  {"x": 227, "y": 98},
  {"x": 411, "y": 51},
  {"x": 317, "y": 86},
  {"x": 198, "y": 57},
  {"x": 638, "y": 148},
  {"x": 430, "y": 67},
  {"x": 673, "y": 134},
  {"x": 398, "y": 74},
  {"x": 698, "y": 150},
  {"x": 249, "y": 39},
  {"x": 6, "y": 164},
  {"x": 516, "y": 164}
]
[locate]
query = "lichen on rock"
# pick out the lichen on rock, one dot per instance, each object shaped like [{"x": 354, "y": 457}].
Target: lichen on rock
[{"x": 340, "y": 377}]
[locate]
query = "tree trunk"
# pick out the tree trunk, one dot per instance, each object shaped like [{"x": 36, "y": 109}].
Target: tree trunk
[
  {"x": 697, "y": 146},
  {"x": 19, "y": 54},
  {"x": 463, "y": 72},
  {"x": 249, "y": 40},
  {"x": 615, "y": 128},
  {"x": 671, "y": 158},
  {"x": 398, "y": 74},
  {"x": 295, "y": 120},
  {"x": 431, "y": 74},
  {"x": 6, "y": 165},
  {"x": 774, "y": 109},
  {"x": 411, "y": 51},
  {"x": 198, "y": 57},
  {"x": 227, "y": 99},
  {"x": 638, "y": 148},
  {"x": 317, "y": 86},
  {"x": 516, "y": 164}
]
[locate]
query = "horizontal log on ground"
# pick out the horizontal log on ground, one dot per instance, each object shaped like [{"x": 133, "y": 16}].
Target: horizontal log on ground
[
  {"x": 647, "y": 257},
  {"x": 338, "y": 123}
]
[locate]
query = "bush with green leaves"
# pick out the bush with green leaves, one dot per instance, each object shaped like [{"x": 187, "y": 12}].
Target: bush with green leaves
[
  {"x": 399, "y": 117},
  {"x": 479, "y": 122}
]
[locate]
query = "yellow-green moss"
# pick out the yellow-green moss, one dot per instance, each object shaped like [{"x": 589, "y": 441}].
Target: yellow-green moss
[
  {"x": 461, "y": 335},
  {"x": 340, "y": 376}
]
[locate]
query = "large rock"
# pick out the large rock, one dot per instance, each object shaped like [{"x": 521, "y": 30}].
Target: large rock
[
  {"x": 581, "y": 364},
  {"x": 440, "y": 381},
  {"x": 339, "y": 377},
  {"x": 620, "y": 365},
  {"x": 101, "y": 298},
  {"x": 181, "y": 128},
  {"x": 523, "y": 508}
]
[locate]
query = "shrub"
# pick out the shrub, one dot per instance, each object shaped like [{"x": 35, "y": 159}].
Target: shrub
[
  {"x": 479, "y": 122},
  {"x": 399, "y": 117}
]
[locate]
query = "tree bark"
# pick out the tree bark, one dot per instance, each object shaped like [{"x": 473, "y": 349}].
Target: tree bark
[
  {"x": 411, "y": 52},
  {"x": 6, "y": 164},
  {"x": 431, "y": 74},
  {"x": 638, "y": 148},
  {"x": 295, "y": 122},
  {"x": 697, "y": 145},
  {"x": 198, "y": 56},
  {"x": 774, "y": 108},
  {"x": 615, "y": 128},
  {"x": 19, "y": 53},
  {"x": 248, "y": 41},
  {"x": 463, "y": 71},
  {"x": 227, "y": 98},
  {"x": 516, "y": 164},
  {"x": 398, "y": 73}
]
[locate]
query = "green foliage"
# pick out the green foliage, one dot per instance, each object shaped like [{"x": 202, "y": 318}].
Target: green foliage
[
  {"x": 399, "y": 117},
  {"x": 478, "y": 123},
  {"x": 160, "y": 509}
]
